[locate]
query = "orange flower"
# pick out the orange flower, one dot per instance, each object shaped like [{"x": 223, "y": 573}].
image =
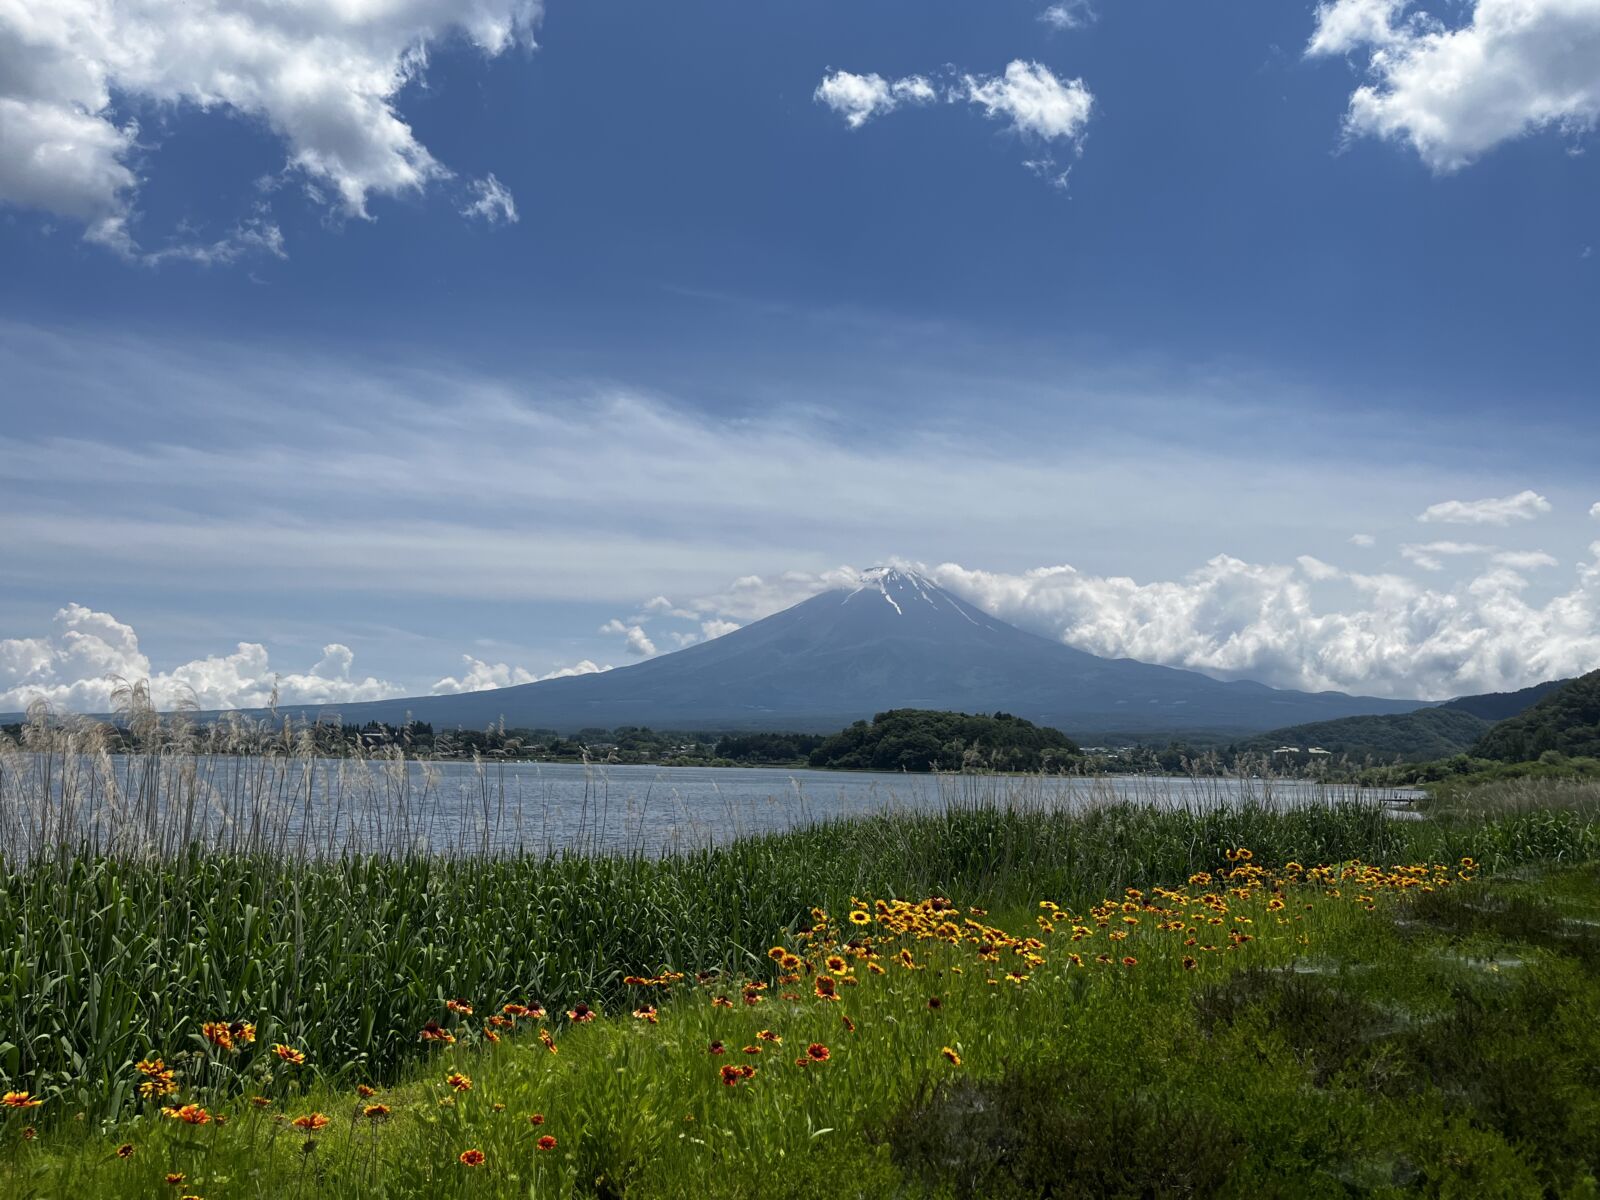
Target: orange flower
[
  {"x": 19, "y": 1100},
  {"x": 311, "y": 1122},
  {"x": 1189, "y": 963},
  {"x": 218, "y": 1034},
  {"x": 766, "y": 1035},
  {"x": 176, "y": 1177},
  {"x": 546, "y": 1142},
  {"x": 752, "y": 1049},
  {"x": 365, "y": 1092},
  {"x": 549, "y": 1042},
  {"x": 535, "y": 1118},
  {"x": 1130, "y": 961},
  {"x": 514, "y": 1010},
  {"x": 849, "y": 1025},
  {"x": 817, "y": 1052},
  {"x": 458, "y": 1006},
  {"x": 375, "y": 1112},
  {"x": 721, "y": 1002},
  {"x": 260, "y": 1101},
  {"x": 732, "y": 1075},
  {"x": 458, "y": 1081},
  {"x": 825, "y": 989},
  {"x": 490, "y": 1035},
  {"x": 471, "y": 1158},
  {"x": 432, "y": 1031},
  {"x": 717, "y": 1048},
  {"x": 288, "y": 1053},
  {"x": 951, "y": 1055},
  {"x": 646, "y": 1013},
  {"x": 125, "y": 1150},
  {"x": 189, "y": 1114},
  {"x": 580, "y": 1014}
]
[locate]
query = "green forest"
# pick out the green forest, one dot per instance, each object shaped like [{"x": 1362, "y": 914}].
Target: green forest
[
  {"x": 1567, "y": 722},
  {"x": 914, "y": 739}
]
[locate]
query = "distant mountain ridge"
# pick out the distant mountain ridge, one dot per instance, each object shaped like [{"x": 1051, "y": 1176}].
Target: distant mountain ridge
[
  {"x": 1565, "y": 720},
  {"x": 897, "y": 640},
  {"x": 1438, "y": 731}
]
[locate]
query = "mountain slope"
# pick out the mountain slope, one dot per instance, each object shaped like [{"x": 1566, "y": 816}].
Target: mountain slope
[
  {"x": 1419, "y": 736},
  {"x": 896, "y": 641},
  {"x": 1440, "y": 731},
  {"x": 1567, "y": 720}
]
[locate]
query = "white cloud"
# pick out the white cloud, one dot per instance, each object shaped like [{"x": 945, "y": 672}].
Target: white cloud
[
  {"x": 73, "y": 668},
  {"x": 1363, "y": 539},
  {"x": 1315, "y": 568},
  {"x": 1239, "y": 620},
  {"x": 322, "y": 76},
  {"x": 1069, "y": 14},
  {"x": 480, "y": 676},
  {"x": 491, "y": 202},
  {"x": 634, "y": 637},
  {"x": 716, "y": 627},
  {"x": 859, "y": 98},
  {"x": 1033, "y": 99},
  {"x": 1028, "y": 95},
  {"x": 1430, "y": 555},
  {"x": 1346, "y": 25},
  {"x": 1524, "y": 506},
  {"x": 1594, "y": 510},
  {"x": 1452, "y": 94},
  {"x": 1524, "y": 560}
]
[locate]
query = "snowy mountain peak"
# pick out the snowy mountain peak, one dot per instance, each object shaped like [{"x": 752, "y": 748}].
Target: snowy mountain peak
[{"x": 898, "y": 586}]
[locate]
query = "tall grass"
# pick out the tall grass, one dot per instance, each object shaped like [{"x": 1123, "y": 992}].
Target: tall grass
[{"x": 141, "y": 898}]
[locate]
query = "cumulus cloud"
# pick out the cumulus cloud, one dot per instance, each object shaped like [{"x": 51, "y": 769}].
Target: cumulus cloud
[
  {"x": 1070, "y": 14},
  {"x": 634, "y": 638},
  {"x": 1035, "y": 102},
  {"x": 1594, "y": 510},
  {"x": 1524, "y": 506},
  {"x": 74, "y": 668},
  {"x": 1240, "y": 620},
  {"x": 322, "y": 77},
  {"x": 1363, "y": 539},
  {"x": 491, "y": 202},
  {"x": 1453, "y": 93},
  {"x": 859, "y": 98},
  {"x": 481, "y": 676}
]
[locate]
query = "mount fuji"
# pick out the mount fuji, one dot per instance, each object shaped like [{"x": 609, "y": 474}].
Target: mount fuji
[{"x": 896, "y": 640}]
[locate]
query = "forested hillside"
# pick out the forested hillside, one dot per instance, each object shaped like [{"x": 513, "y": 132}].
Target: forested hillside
[
  {"x": 1566, "y": 721},
  {"x": 913, "y": 739},
  {"x": 1417, "y": 736}
]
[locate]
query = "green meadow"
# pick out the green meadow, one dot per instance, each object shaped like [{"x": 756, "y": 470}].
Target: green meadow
[{"x": 1320, "y": 1001}]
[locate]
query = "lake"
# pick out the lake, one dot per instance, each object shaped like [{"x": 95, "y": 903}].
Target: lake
[{"x": 328, "y": 806}]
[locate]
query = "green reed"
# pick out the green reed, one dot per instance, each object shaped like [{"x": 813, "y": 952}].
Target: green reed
[{"x": 111, "y": 958}]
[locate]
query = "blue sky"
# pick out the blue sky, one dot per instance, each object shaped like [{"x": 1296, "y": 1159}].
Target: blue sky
[{"x": 267, "y": 382}]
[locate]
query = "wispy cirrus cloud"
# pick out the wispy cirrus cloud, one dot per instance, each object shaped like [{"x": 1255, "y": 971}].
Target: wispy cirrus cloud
[
  {"x": 1069, "y": 14},
  {"x": 274, "y": 489}
]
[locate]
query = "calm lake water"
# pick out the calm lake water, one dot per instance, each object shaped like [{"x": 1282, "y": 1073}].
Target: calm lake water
[{"x": 327, "y": 806}]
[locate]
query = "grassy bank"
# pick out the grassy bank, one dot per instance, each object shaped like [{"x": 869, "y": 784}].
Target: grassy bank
[
  {"x": 111, "y": 957},
  {"x": 1282, "y": 1032}
]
